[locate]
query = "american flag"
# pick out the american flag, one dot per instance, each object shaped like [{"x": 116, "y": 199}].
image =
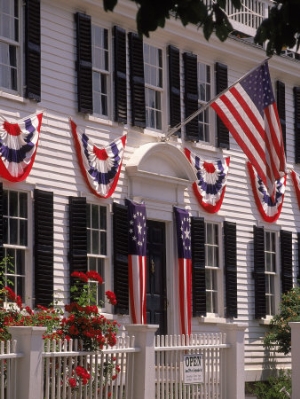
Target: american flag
[
  {"x": 137, "y": 260},
  {"x": 183, "y": 230},
  {"x": 249, "y": 111}
]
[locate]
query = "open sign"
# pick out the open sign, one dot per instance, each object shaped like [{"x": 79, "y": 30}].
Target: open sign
[{"x": 193, "y": 369}]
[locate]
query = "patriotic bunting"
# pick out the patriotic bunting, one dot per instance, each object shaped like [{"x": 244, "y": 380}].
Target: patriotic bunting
[
  {"x": 18, "y": 145},
  {"x": 249, "y": 111},
  {"x": 183, "y": 230},
  {"x": 269, "y": 209},
  {"x": 296, "y": 182},
  {"x": 209, "y": 188},
  {"x": 137, "y": 260},
  {"x": 101, "y": 167}
]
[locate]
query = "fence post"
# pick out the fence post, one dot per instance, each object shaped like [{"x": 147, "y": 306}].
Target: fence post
[
  {"x": 144, "y": 361},
  {"x": 29, "y": 367},
  {"x": 295, "y": 351},
  {"x": 234, "y": 366}
]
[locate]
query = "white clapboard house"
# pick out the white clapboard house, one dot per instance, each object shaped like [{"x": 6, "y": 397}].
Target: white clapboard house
[{"x": 70, "y": 73}]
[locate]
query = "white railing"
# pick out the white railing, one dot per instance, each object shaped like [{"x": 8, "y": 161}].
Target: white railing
[
  {"x": 8, "y": 375},
  {"x": 169, "y": 357},
  {"x": 251, "y": 13},
  {"x": 109, "y": 370}
]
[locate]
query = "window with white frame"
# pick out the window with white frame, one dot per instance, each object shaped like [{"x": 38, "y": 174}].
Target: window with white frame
[
  {"x": 15, "y": 215},
  {"x": 153, "y": 70},
  {"x": 204, "y": 95},
  {"x": 97, "y": 244},
  {"x": 101, "y": 75},
  {"x": 9, "y": 44},
  {"x": 270, "y": 271},
  {"x": 212, "y": 267}
]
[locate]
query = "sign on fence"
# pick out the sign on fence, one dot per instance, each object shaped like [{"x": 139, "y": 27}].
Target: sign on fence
[{"x": 192, "y": 369}]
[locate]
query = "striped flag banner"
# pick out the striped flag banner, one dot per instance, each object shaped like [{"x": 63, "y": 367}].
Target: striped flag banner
[
  {"x": 183, "y": 233},
  {"x": 248, "y": 109},
  {"x": 18, "y": 146},
  {"x": 137, "y": 260}
]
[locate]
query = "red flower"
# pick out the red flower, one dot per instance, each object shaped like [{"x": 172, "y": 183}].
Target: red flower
[
  {"x": 81, "y": 276},
  {"x": 72, "y": 382},
  {"x": 93, "y": 275},
  {"x": 111, "y": 297}
]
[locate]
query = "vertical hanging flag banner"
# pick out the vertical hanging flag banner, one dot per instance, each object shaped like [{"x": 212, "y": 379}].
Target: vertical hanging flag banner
[
  {"x": 248, "y": 109},
  {"x": 18, "y": 145},
  {"x": 209, "y": 188},
  {"x": 101, "y": 166},
  {"x": 183, "y": 232},
  {"x": 137, "y": 260},
  {"x": 296, "y": 182},
  {"x": 268, "y": 207}
]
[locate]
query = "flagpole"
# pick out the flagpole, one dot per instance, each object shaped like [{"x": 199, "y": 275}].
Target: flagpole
[{"x": 174, "y": 129}]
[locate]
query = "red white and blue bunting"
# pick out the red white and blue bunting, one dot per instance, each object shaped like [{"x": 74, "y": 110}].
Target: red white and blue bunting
[
  {"x": 296, "y": 182},
  {"x": 18, "y": 145},
  {"x": 269, "y": 208},
  {"x": 210, "y": 186},
  {"x": 101, "y": 166}
]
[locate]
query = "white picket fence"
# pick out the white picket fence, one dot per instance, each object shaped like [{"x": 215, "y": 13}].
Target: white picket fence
[
  {"x": 149, "y": 367},
  {"x": 172, "y": 372}
]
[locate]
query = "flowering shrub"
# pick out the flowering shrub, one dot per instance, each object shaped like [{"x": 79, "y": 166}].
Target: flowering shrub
[{"x": 82, "y": 322}]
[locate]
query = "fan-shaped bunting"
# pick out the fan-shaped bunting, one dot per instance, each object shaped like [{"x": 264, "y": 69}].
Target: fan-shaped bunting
[
  {"x": 18, "y": 145},
  {"x": 210, "y": 186},
  {"x": 100, "y": 166},
  {"x": 268, "y": 208}
]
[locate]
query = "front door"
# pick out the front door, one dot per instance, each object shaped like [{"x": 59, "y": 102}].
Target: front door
[{"x": 156, "y": 276}]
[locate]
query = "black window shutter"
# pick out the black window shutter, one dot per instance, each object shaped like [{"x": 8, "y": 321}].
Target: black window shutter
[
  {"x": 84, "y": 63},
  {"x": 230, "y": 268},
  {"x": 259, "y": 272},
  {"x": 77, "y": 234},
  {"x": 137, "y": 80},
  {"x": 221, "y": 84},
  {"x": 297, "y": 123},
  {"x": 120, "y": 242},
  {"x": 120, "y": 79},
  {"x": 198, "y": 266},
  {"x": 191, "y": 95},
  {"x": 174, "y": 86},
  {"x": 1, "y": 223},
  {"x": 286, "y": 260},
  {"x": 281, "y": 108},
  {"x": 33, "y": 50},
  {"x": 43, "y": 236}
]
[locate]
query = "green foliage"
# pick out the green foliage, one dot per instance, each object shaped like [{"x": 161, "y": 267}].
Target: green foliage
[
  {"x": 273, "y": 388},
  {"x": 280, "y": 30},
  {"x": 279, "y": 330}
]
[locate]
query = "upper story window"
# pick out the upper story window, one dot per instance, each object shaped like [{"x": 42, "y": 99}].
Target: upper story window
[
  {"x": 212, "y": 267},
  {"x": 15, "y": 215},
  {"x": 270, "y": 271},
  {"x": 97, "y": 243},
  {"x": 9, "y": 44},
  {"x": 204, "y": 95},
  {"x": 101, "y": 77},
  {"x": 153, "y": 69}
]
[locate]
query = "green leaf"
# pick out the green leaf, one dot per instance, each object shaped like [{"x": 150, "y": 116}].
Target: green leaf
[
  {"x": 208, "y": 27},
  {"x": 109, "y": 5}
]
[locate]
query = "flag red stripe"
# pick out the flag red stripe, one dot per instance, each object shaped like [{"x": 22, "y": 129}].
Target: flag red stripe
[
  {"x": 185, "y": 297},
  {"x": 137, "y": 288}
]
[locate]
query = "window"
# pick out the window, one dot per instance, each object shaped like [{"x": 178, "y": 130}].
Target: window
[
  {"x": 270, "y": 271},
  {"x": 9, "y": 44},
  {"x": 97, "y": 243},
  {"x": 212, "y": 267},
  {"x": 204, "y": 95},
  {"x": 15, "y": 215},
  {"x": 153, "y": 86},
  {"x": 101, "y": 77}
]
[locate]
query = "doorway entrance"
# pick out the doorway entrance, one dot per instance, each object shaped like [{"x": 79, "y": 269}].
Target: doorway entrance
[{"x": 156, "y": 275}]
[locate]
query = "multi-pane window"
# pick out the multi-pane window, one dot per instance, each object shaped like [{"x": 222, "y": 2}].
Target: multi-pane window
[
  {"x": 97, "y": 243},
  {"x": 204, "y": 95},
  {"x": 153, "y": 70},
  {"x": 101, "y": 77},
  {"x": 270, "y": 271},
  {"x": 212, "y": 266},
  {"x": 15, "y": 215},
  {"x": 9, "y": 44}
]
